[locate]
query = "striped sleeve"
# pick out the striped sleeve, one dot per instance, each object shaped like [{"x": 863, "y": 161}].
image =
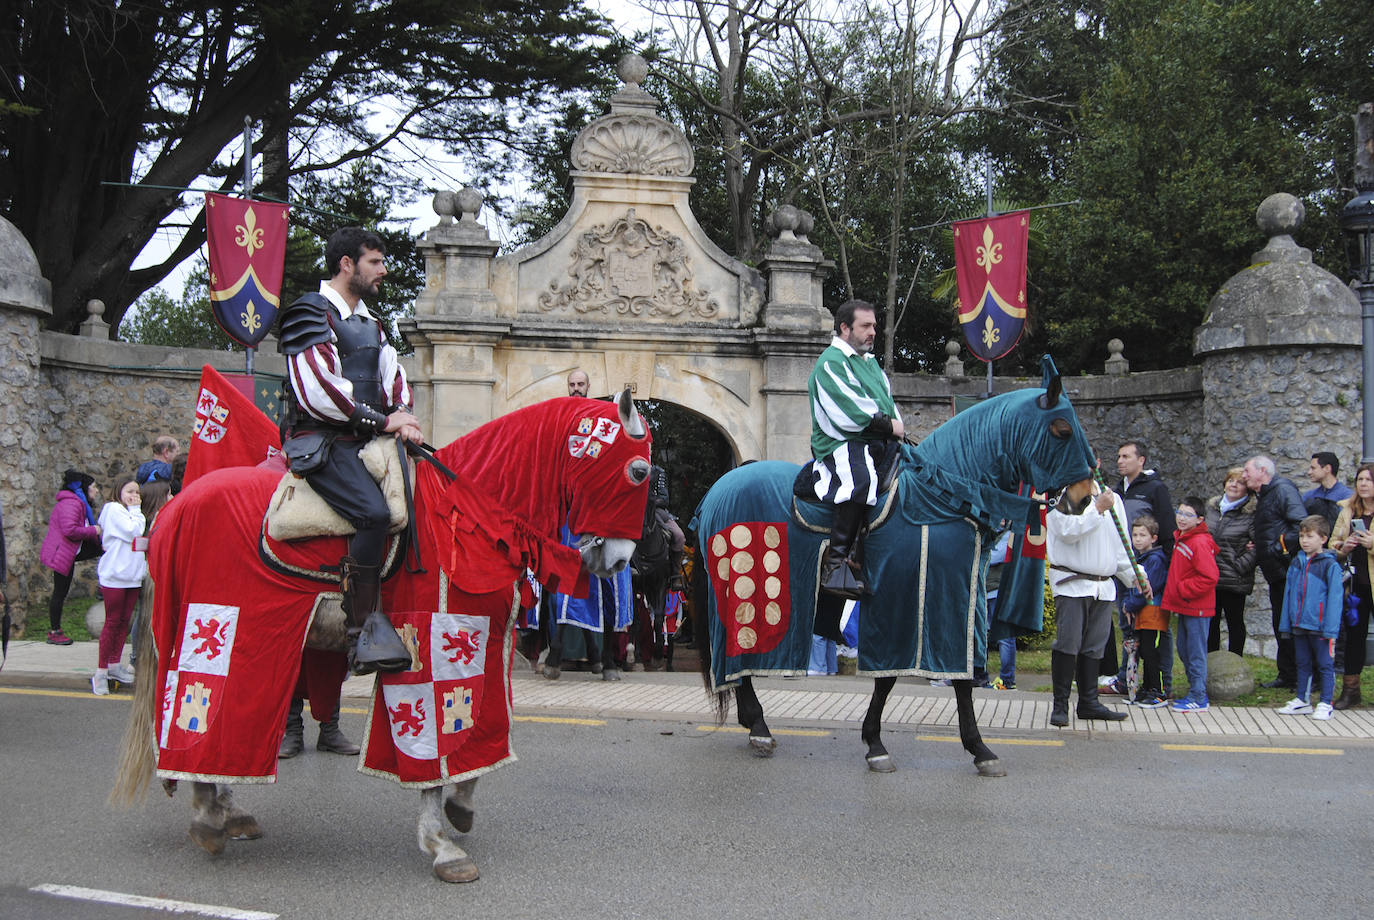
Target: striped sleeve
[
  {"x": 842, "y": 406},
  {"x": 321, "y": 389},
  {"x": 394, "y": 381}
]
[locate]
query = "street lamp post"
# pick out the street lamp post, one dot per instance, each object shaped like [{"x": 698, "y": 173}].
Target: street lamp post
[{"x": 1357, "y": 229}]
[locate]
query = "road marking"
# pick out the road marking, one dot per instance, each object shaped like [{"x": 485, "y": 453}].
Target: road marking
[
  {"x": 558, "y": 720},
  {"x": 1238, "y": 749},
  {"x": 739, "y": 730},
  {"x": 73, "y": 694},
  {"x": 1029, "y": 742},
  {"x": 136, "y": 900}
]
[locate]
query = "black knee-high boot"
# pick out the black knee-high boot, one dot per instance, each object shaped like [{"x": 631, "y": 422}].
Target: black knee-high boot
[
  {"x": 375, "y": 645},
  {"x": 293, "y": 742},
  {"x": 1062, "y": 666},
  {"x": 1088, "y": 705},
  {"x": 840, "y": 572},
  {"x": 332, "y": 738}
]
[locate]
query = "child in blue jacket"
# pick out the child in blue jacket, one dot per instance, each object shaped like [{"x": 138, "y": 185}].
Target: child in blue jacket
[
  {"x": 1152, "y": 558},
  {"x": 1312, "y": 604}
]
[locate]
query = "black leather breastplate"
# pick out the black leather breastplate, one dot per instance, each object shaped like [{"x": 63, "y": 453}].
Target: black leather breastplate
[{"x": 359, "y": 342}]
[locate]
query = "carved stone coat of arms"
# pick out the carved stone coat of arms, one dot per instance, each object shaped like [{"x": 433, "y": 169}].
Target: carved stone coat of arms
[{"x": 629, "y": 268}]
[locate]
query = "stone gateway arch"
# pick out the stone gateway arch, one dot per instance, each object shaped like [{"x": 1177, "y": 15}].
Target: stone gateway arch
[{"x": 626, "y": 287}]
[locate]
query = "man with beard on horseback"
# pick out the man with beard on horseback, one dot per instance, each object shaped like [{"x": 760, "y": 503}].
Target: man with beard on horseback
[
  {"x": 348, "y": 387},
  {"x": 855, "y": 427}
]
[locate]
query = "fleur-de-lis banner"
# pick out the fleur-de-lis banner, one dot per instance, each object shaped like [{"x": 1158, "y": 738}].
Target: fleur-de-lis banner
[
  {"x": 247, "y": 243},
  {"x": 990, "y": 262}
]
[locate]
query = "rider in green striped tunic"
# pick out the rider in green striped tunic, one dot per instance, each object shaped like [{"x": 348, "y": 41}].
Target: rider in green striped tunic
[{"x": 855, "y": 427}]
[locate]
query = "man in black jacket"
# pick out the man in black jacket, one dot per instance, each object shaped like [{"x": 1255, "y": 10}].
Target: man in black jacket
[{"x": 1278, "y": 513}]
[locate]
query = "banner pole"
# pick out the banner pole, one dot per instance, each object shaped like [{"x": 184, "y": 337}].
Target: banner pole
[
  {"x": 248, "y": 193},
  {"x": 987, "y": 185}
]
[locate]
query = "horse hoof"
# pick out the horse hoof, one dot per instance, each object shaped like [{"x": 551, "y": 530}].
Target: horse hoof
[
  {"x": 610, "y": 674},
  {"x": 457, "y": 871},
  {"x": 243, "y": 827},
  {"x": 882, "y": 763},
  {"x": 210, "y": 839},
  {"x": 460, "y": 816},
  {"x": 763, "y": 745},
  {"x": 991, "y": 767},
  {"x": 551, "y": 673}
]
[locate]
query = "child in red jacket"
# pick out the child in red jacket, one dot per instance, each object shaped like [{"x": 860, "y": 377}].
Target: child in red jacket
[{"x": 1191, "y": 592}]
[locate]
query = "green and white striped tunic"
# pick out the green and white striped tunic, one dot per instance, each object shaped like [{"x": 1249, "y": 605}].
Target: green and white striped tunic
[{"x": 847, "y": 389}]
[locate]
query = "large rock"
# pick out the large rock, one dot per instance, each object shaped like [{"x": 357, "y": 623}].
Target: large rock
[
  {"x": 1228, "y": 676},
  {"x": 95, "y": 618}
]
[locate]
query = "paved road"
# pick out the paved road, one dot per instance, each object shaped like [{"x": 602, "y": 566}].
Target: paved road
[{"x": 646, "y": 817}]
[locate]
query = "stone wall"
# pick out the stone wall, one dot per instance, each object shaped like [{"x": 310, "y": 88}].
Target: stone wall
[
  {"x": 1162, "y": 408},
  {"x": 96, "y": 406}
]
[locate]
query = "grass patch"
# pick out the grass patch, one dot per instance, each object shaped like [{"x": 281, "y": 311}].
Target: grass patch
[
  {"x": 73, "y": 620},
  {"x": 1035, "y": 664}
]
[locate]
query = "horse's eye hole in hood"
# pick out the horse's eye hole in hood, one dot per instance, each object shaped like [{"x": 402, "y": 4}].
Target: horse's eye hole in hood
[
  {"x": 637, "y": 470},
  {"x": 1061, "y": 429}
]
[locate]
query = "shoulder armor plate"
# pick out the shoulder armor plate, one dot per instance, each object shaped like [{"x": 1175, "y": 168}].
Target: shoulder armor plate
[{"x": 305, "y": 324}]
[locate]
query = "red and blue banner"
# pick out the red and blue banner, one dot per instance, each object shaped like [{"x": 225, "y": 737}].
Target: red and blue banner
[
  {"x": 990, "y": 262},
  {"x": 247, "y": 244}
]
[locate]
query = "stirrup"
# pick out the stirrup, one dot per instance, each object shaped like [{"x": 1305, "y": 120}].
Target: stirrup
[
  {"x": 838, "y": 578},
  {"x": 378, "y": 648}
]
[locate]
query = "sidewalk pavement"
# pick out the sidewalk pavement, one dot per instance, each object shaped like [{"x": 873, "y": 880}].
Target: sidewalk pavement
[{"x": 829, "y": 702}]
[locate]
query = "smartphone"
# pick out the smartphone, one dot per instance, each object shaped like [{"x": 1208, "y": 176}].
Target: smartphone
[{"x": 1357, "y": 526}]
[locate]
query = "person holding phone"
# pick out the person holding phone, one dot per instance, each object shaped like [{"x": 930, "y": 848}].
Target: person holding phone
[{"x": 1352, "y": 540}]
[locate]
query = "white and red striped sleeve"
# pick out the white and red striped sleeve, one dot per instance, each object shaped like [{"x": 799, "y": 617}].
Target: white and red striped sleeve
[
  {"x": 320, "y": 388},
  {"x": 394, "y": 382}
]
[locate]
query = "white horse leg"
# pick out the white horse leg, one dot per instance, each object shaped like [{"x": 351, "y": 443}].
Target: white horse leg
[
  {"x": 458, "y": 804},
  {"x": 207, "y": 822},
  {"x": 451, "y": 864},
  {"x": 238, "y": 824}
]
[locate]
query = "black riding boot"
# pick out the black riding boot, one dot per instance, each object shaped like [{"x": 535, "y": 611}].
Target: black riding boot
[
  {"x": 840, "y": 573},
  {"x": 1088, "y": 705},
  {"x": 293, "y": 742},
  {"x": 1061, "y": 680},
  {"x": 373, "y": 642},
  {"x": 332, "y": 737}
]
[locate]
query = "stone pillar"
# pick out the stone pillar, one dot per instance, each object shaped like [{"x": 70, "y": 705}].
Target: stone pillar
[
  {"x": 795, "y": 329},
  {"x": 1280, "y": 353},
  {"x": 453, "y": 362},
  {"x": 27, "y": 486}
]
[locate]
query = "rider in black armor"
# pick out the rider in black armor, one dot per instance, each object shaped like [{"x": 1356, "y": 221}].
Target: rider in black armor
[{"x": 349, "y": 388}]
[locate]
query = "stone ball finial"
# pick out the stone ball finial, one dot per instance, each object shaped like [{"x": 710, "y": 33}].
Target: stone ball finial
[
  {"x": 785, "y": 221},
  {"x": 446, "y": 206},
  {"x": 952, "y": 348},
  {"x": 632, "y": 69},
  {"x": 95, "y": 308},
  {"x": 469, "y": 202},
  {"x": 1280, "y": 214},
  {"x": 1116, "y": 361}
]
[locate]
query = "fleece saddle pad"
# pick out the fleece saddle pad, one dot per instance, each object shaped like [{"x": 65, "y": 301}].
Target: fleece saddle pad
[{"x": 296, "y": 511}]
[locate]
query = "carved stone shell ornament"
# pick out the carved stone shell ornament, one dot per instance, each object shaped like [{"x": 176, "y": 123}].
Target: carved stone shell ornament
[
  {"x": 632, "y": 269},
  {"x": 632, "y": 143}
]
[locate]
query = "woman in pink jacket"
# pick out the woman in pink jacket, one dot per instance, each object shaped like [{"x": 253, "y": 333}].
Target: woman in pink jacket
[{"x": 71, "y": 523}]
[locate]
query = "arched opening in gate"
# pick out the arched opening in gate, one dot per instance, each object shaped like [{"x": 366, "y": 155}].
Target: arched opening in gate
[{"x": 692, "y": 449}]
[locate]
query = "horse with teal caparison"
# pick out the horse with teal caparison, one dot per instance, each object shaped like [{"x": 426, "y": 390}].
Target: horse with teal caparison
[{"x": 926, "y": 556}]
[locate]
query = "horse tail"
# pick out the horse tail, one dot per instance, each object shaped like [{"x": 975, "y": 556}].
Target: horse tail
[
  {"x": 701, "y": 638},
  {"x": 138, "y": 752}
]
